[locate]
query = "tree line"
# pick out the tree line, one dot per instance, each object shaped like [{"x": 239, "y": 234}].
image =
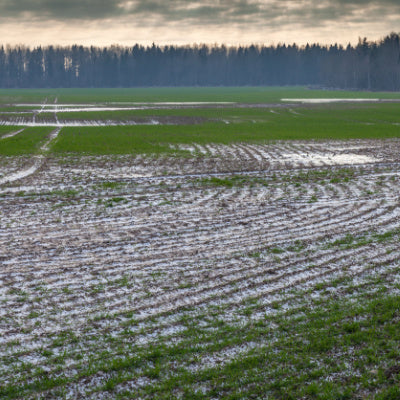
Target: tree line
[{"x": 369, "y": 65}]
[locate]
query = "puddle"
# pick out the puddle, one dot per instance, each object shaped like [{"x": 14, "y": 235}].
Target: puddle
[
  {"x": 333, "y": 100},
  {"x": 311, "y": 157},
  {"x": 58, "y": 124},
  {"x": 106, "y": 107},
  {"x": 62, "y": 109},
  {"x": 329, "y": 159}
]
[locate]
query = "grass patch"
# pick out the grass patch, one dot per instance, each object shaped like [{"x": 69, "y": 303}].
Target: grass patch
[
  {"x": 341, "y": 349},
  {"x": 329, "y": 353},
  {"x": 223, "y": 124},
  {"x": 341, "y": 175},
  {"x": 26, "y": 142},
  {"x": 357, "y": 113},
  {"x": 352, "y": 242},
  {"x": 313, "y": 124},
  {"x": 110, "y": 185},
  {"x": 234, "y": 181},
  {"x": 179, "y": 94},
  {"x": 7, "y": 129}
]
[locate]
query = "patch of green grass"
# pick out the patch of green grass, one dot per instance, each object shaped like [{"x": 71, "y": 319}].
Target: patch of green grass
[
  {"x": 27, "y": 142},
  {"x": 321, "y": 175},
  {"x": 246, "y": 124},
  {"x": 7, "y": 129},
  {"x": 276, "y": 250},
  {"x": 63, "y": 193},
  {"x": 111, "y": 185},
  {"x": 179, "y": 94},
  {"x": 339, "y": 349},
  {"x": 350, "y": 241},
  {"x": 67, "y": 193},
  {"x": 232, "y": 181},
  {"x": 124, "y": 281},
  {"x": 357, "y": 114},
  {"x": 315, "y": 124},
  {"x": 114, "y": 201},
  {"x": 297, "y": 246}
]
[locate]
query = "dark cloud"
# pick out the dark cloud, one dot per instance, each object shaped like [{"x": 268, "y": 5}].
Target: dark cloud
[
  {"x": 60, "y": 9},
  {"x": 272, "y": 13}
]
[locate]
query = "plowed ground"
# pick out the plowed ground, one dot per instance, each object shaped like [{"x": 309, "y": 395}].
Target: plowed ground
[{"x": 244, "y": 271}]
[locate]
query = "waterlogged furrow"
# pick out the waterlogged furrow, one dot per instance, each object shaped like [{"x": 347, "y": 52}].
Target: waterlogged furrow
[
  {"x": 114, "y": 271},
  {"x": 206, "y": 235},
  {"x": 167, "y": 250},
  {"x": 356, "y": 270},
  {"x": 214, "y": 237},
  {"x": 94, "y": 269},
  {"x": 293, "y": 155},
  {"x": 381, "y": 273}
]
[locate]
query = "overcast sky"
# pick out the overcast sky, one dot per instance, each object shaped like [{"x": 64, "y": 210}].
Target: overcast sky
[{"x": 232, "y": 22}]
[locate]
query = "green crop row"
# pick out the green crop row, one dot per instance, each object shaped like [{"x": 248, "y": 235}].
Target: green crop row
[
  {"x": 26, "y": 142},
  {"x": 177, "y": 94}
]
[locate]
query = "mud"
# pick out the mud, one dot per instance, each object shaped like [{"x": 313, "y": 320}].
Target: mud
[{"x": 88, "y": 244}]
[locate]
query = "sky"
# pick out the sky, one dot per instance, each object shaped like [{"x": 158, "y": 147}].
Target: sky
[{"x": 180, "y": 22}]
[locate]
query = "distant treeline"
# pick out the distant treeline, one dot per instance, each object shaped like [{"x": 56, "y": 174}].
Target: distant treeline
[{"x": 368, "y": 65}]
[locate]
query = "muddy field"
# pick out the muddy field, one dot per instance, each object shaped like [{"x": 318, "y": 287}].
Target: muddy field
[{"x": 107, "y": 257}]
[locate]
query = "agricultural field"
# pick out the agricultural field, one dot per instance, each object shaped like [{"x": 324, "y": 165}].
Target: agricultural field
[{"x": 208, "y": 243}]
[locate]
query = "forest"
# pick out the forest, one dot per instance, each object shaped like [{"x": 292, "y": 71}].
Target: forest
[{"x": 369, "y": 65}]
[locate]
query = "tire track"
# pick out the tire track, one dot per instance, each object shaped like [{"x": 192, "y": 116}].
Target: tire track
[{"x": 38, "y": 161}]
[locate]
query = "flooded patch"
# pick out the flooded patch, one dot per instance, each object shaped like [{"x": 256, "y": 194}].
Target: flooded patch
[
  {"x": 123, "y": 106},
  {"x": 332, "y": 100},
  {"x": 328, "y": 159},
  {"x": 303, "y": 156},
  {"x": 65, "y": 124}
]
